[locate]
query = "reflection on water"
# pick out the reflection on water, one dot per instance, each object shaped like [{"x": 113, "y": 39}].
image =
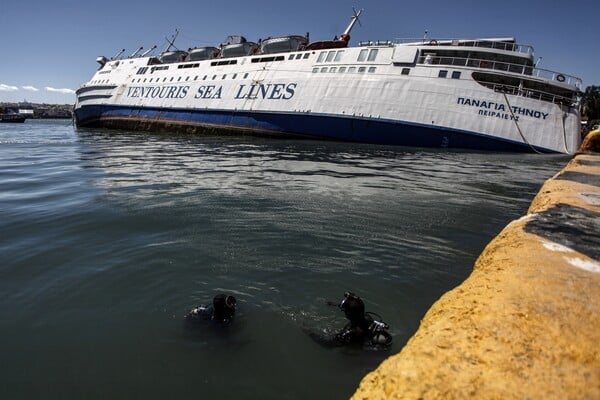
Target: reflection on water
[{"x": 109, "y": 237}]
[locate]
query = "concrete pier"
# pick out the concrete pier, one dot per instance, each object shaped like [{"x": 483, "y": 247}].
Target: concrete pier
[{"x": 526, "y": 323}]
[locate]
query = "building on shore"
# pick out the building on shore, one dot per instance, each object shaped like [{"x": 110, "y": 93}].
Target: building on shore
[{"x": 39, "y": 111}]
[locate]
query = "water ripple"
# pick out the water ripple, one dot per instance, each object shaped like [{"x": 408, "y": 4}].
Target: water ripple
[{"x": 109, "y": 237}]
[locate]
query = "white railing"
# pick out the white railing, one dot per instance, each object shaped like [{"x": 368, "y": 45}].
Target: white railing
[
  {"x": 503, "y": 66},
  {"x": 482, "y": 43},
  {"x": 534, "y": 94}
]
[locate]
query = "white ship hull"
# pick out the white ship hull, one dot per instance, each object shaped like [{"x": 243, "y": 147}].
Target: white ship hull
[{"x": 392, "y": 97}]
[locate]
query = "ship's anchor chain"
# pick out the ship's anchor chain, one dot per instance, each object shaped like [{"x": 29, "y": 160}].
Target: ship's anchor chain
[{"x": 517, "y": 124}]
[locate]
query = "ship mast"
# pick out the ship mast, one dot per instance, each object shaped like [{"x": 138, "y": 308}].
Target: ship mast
[
  {"x": 171, "y": 41},
  {"x": 346, "y": 35}
]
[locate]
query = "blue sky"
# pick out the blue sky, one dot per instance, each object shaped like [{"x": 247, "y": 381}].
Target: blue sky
[{"x": 49, "y": 47}]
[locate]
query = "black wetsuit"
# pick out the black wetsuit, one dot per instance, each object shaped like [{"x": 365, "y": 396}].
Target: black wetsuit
[
  {"x": 200, "y": 313},
  {"x": 208, "y": 313},
  {"x": 222, "y": 310},
  {"x": 356, "y": 332},
  {"x": 365, "y": 332}
]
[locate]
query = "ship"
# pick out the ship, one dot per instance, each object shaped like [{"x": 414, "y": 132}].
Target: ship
[
  {"x": 10, "y": 116},
  {"x": 483, "y": 94}
]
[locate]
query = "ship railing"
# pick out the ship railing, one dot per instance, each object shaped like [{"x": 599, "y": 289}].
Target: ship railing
[
  {"x": 503, "y": 66},
  {"x": 388, "y": 43},
  {"x": 483, "y": 43},
  {"x": 533, "y": 94}
]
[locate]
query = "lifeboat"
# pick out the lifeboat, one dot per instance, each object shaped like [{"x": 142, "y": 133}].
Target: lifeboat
[
  {"x": 237, "y": 46},
  {"x": 172, "y": 56},
  {"x": 283, "y": 44},
  {"x": 202, "y": 53}
]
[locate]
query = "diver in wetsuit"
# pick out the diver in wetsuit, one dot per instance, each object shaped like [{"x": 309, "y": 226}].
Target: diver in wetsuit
[
  {"x": 361, "y": 328},
  {"x": 222, "y": 310}
]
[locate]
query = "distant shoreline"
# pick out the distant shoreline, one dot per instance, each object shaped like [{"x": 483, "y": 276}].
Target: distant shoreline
[{"x": 40, "y": 110}]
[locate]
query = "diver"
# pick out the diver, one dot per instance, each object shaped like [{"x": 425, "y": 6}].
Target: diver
[
  {"x": 361, "y": 329},
  {"x": 222, "y": 310}
]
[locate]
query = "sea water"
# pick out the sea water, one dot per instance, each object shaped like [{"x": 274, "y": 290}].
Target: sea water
[{"x": 107, "y": 239}]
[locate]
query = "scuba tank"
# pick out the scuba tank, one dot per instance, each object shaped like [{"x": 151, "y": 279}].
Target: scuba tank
[{"x": 378, "y": 331}]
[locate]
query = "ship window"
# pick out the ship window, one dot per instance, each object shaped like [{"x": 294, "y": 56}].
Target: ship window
[
  {"x": 324, "y": 69},
  {"x": 362, "y": 70},
  {"x": 291, "y": 57},
  {"x": 455, "y": 74},
  {"x": 234, "y": 76},
  {"x": 204, "y": 77},
  {"x": 171, "y": 80},
  {"x": 338, "y": 55},
  {"x": 245, "y": 75},
  {"x": 372, "y": 55},
  {"x": 306, "y": 55},
  {"x": 164, "y": 79},
  {"x": 315, "y": 70},
  {"x": 332, "y": 69},
  {"x": 405, "y": 71},
  {"x": 178, "y": 79},
  {"x": 443, "y": 73},
  {"x": 298, "y": 56},
  {"x": 224, "y": 76},
  {"x": 187, "y": 78},
  {"x": 362, "y": 56},
  {"x": 372, "y": 69},
  {"x": 351, "y": 70},
  {"x": 214, "y": 77},
  {"x": 196, "y": 78},
  {"x": 342, "y": 70},
  {"x": 321, "y": 57},
  {"x": 144, "y": 79},
  {"x": 330, "y": 56}
]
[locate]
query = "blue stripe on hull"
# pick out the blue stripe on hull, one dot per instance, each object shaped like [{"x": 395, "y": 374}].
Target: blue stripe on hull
[{"x": 343, "y": 128}]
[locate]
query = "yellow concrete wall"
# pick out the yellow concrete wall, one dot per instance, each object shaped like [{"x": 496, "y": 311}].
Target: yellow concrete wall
[{"x": 526, "y": 323}]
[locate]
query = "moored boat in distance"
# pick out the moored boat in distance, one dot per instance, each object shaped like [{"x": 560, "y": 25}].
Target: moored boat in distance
[
  {"x": 482, "y": 94},
  {"x": 9, "y": 116}
]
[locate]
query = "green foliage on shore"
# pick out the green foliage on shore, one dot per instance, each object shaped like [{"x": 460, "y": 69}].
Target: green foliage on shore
[{"x": 590, "y": 103}]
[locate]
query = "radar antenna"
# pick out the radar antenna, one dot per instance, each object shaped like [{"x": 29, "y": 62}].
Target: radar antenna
[
  {"x": 172, "y": 41},
  {"x": 346, "y": 35},
  {"x": 144, "y": 54}
]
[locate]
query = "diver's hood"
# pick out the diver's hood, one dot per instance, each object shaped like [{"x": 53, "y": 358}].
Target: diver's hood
[{"x": 353, "y": 306}]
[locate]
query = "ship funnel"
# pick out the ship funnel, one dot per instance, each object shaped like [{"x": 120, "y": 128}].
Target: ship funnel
[
  {"x": 137, "y": 51},
  {"x": 346, "y": 35}
]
